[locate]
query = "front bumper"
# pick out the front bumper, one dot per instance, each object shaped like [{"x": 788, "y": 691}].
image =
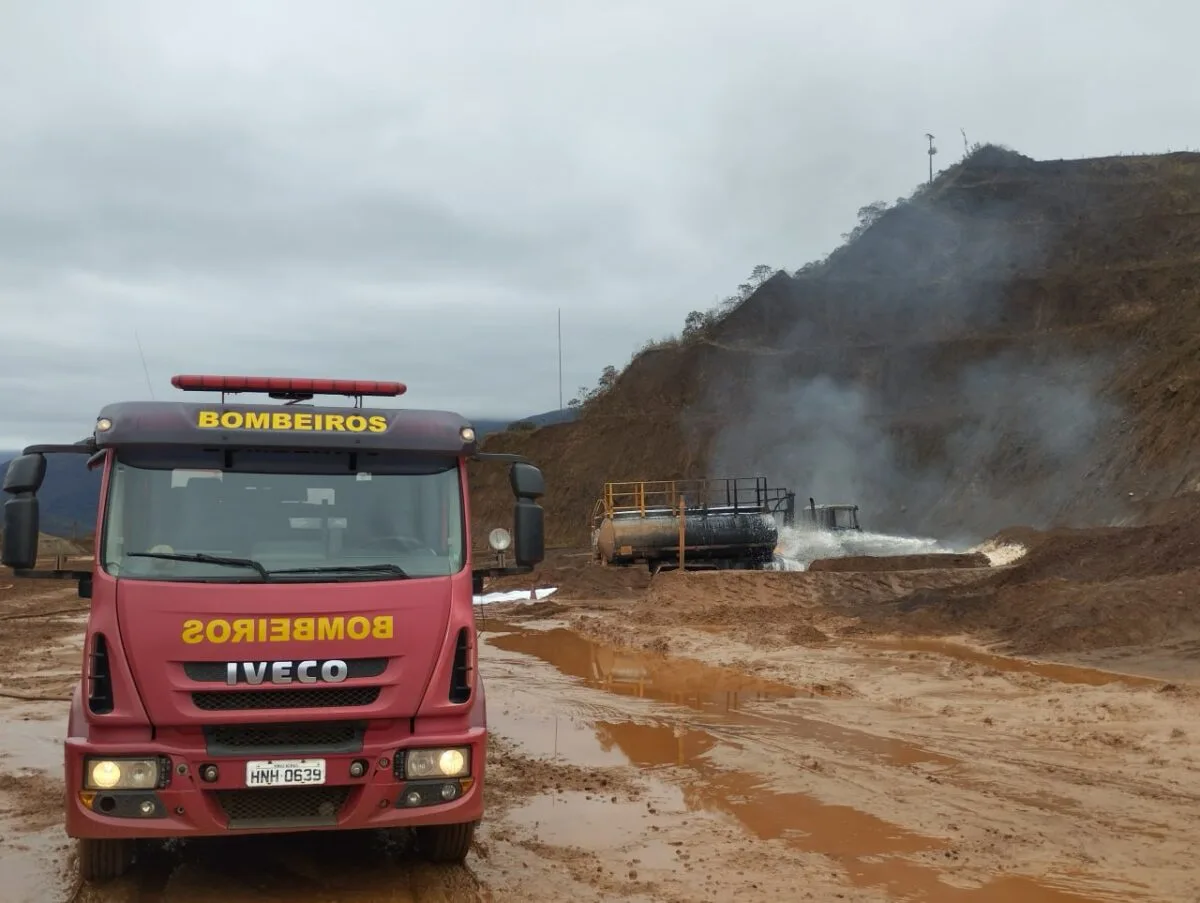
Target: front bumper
[{"x": 187, "y": 806}]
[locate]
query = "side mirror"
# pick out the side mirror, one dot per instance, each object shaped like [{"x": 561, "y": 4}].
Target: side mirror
[
  {"x": 20, "y": 550},
  {"x": 529, "y": 527},
  {"x": 527, "y": 481},
  {"x": 25, "y": 474}
]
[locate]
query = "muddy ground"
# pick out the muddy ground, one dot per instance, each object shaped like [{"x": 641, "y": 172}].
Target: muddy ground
[{"x": 719, "y": 737}]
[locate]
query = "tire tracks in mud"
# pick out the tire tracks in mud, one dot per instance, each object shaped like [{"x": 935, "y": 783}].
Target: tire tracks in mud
[
  {"x": 623, "y": 792},
  {"x": 992, "y": 793}
]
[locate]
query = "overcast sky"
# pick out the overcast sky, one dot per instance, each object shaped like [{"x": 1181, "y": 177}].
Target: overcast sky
[{"x": 401, "y": 190}]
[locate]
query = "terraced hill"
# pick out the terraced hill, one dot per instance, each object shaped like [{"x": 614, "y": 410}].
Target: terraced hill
[{"x": 1017, "y": 343}]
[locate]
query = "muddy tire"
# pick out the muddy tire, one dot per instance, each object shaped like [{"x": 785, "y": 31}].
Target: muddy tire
[
  {"x": 103, "y": 860},
  {"x": 444, "y": 843}
]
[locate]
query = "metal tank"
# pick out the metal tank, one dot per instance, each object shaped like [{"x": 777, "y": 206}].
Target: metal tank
[{"x": 726, "y": 523}]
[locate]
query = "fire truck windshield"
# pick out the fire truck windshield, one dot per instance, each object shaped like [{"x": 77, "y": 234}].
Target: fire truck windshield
[{"x": 250, "y": 515}]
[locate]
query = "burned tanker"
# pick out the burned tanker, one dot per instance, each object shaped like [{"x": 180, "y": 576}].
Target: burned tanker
[
  {"x": 832, "y": 518},
  {"x": 691, "y": 524}
]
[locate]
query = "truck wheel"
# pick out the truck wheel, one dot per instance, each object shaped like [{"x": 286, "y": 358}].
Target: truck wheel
[
  {"x": 445, "y": 843},
  {"x": 103, "y": 860}
]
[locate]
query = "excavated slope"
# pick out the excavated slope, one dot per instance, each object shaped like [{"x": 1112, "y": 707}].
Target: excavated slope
[{"x": 1016, "y": 344}]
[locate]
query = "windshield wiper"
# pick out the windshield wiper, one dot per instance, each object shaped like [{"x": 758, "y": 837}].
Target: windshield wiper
[
  {"x": 382, "y": 567},
  {"x": 205, "y": 559}
]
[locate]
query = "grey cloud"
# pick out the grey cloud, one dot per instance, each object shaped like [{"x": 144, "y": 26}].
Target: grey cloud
[{"x": 413, "y": 189}]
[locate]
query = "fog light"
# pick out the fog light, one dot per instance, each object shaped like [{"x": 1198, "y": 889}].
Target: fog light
[
  {"x": 146, "y": 808},
  {"x": 209, "y": 773},
  {"x": 412, "y": 798},
  {"x": 449, "y": 791},
  {"x": 358, "y": 768}
]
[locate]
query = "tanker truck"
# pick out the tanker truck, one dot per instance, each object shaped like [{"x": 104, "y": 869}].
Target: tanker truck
[
  {"x": 281, "y": 635},
  {"x": 728, "y": 522}
]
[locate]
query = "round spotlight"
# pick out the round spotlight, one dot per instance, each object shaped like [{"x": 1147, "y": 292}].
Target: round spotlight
[
  {"x": 106, "y": 775},
  {"x": 499, "y": 539},
  {"x": 451, "y": 762}
]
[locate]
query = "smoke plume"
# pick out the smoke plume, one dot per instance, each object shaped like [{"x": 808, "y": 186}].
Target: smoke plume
[{"x": 924, "y": 372}]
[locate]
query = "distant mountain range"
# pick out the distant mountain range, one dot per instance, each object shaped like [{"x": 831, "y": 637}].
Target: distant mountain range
[
  {"x": 486, "y": 426},
  {"x": 71, "y": 492}
]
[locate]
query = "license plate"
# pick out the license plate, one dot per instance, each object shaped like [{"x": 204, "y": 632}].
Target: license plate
[{"x": 285, "y": 772}]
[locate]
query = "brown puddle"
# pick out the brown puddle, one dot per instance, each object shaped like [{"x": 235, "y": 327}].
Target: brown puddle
[
  {"x": 630, "y": 673},
  {"x": 1065, "y": 674},
  {"x": 719, "y": 692},
  {"x": 872, "y": 851}
]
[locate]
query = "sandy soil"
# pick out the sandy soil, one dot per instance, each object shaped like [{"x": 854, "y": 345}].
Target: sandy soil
[{"x": 713, "y": 737}]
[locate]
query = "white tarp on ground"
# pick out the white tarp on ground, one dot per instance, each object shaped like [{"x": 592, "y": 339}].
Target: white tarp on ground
[{"x": 516, "y": 595}]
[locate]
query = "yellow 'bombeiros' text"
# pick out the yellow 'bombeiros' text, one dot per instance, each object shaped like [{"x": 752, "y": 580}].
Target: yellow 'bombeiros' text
[
  {"x": 289, "y": 421},
  {"x": 285, "y": 630}
]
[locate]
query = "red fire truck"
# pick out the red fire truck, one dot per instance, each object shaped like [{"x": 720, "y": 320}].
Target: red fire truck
[{"x": 281, "y": 635}]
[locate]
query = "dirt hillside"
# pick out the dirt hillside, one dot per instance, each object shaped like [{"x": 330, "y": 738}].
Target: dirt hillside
[{"x": 1016, "y": 343}]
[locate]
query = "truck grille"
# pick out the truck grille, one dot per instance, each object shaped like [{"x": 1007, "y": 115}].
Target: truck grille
[
  {"x": 214, "y": 672},
  {"x": 233, "y": 701},
  {"x": 283, "y": 806},
  {"x": 276, "y": 739}
]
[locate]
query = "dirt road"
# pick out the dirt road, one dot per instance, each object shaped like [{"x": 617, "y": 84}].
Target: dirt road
[{"x": 857, "y": 768}]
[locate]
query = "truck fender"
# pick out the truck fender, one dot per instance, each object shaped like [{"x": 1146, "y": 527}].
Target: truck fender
[
  {"x": 76, "y": 721},
  {"x": 479, "y": 709}
]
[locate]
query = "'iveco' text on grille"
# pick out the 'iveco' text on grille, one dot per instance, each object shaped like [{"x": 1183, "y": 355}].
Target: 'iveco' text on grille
[{"x": 333, "y": 671}]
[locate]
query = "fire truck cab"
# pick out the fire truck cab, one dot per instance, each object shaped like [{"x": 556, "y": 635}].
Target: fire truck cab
[{"x": 281, "y": 635}]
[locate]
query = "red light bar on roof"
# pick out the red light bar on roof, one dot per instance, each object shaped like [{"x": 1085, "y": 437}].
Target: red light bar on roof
[{"x": 285, "y": 385}]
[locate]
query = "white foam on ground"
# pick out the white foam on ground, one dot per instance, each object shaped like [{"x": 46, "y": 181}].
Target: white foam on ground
[
  {"x": 515, "y": 595},
  {"x": 799, "y": 547},
  {"x": 1001, "y": 553}
]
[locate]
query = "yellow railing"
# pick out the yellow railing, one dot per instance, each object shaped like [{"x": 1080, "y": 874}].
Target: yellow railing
[{"x": 644, "y": 495}]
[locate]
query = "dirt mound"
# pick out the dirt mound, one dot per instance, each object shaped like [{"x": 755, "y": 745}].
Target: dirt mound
[
  {"x": 1099, "y": 554},
  {"x": 1051, "y": 616},
  {"x": 576, "y": 576},
  {"x": 50, "y": 546},
  {"x": 901, "y": 562},
  {"x": 704, "y": 591},
  {"x": 1073, "y": 591},
  {"x": 1036, "y": 608},
  {"x": 773, "y": 609}
]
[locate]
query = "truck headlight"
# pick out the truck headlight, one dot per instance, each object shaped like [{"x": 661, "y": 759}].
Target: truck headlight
[
  {"x": 120, "y": 774},
  {"x": 452, "y": 762}
]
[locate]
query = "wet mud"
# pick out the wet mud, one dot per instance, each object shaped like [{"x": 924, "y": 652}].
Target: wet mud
[
  {"x": 1055, "y": 671},
  {"x": 872, "y": 852},
  {"x": 867, "y": 770}
]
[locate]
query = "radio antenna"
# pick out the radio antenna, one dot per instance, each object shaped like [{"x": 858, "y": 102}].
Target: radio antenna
[{"x": 145, "y": 369}]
